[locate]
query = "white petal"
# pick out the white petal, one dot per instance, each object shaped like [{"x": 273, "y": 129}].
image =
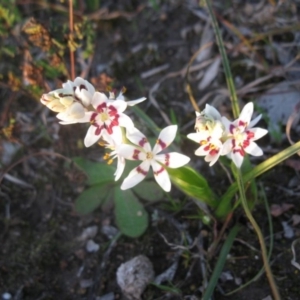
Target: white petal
[
  {"x": 80, "y": 81},
  {"x": 131, "y": 152},
  {"x": 197, "y": 114},
  {"x": 165, "y": 138},
  {"x": 172, "y": 160},
  {"x": 67, "y": 119},
  {"x": 227, "y": 147},
  {"x": 66, "y": 99},
  {"x": 246, "y": 113},
  {"x": 253, "y": 149},
  {"x": 119, "y": 97},
  {"x": 120, "y": 105},
  {"x": 91, "y": 138},
  {"x": 138, "y": 138},
  {"x": 134, "y": 102},
  {"x": 212, "y": 112},
  {"x": 254, "y": 121},
  {"x": 120, "y": 168},
  {"x": 84, "y": 96},
  {"x": 68, "y": 85},
  {"x": 198, "y": 136},
  {"x": 125, "y": 121},
  {"x": 237, "y": 158},
  {"x": 98, "y": 98},
  {"x": 161, "y": 176},
  {"x": 194, "y": 136},
  {"x": 76, "y": 111},
  {"x": 226, "y": 123},
  {"x": 258, "y": 132},
  {"x": 212, "y": 159},
  {"x": 136, "y": 176},
  {"x": 201, "y": 151}
]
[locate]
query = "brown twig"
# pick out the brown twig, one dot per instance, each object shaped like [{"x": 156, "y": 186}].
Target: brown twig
[{"x": 71, "y": 25}]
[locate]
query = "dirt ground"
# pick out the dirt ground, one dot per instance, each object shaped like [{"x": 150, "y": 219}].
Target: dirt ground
[{"x": 144, "y": 46}]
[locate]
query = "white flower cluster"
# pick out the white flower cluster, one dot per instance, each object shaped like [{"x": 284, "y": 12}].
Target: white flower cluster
[
  {"x": 218, "y": 136},
  {"x": 78, "y": 102}
]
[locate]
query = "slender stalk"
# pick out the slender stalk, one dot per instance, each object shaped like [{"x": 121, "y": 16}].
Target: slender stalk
[
  {"x": 227, "y": 70},
  {"x": 71, "y": 26},
  {"x": 259, "y": 234}
]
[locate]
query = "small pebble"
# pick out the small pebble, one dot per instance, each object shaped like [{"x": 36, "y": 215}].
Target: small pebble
[
  {"x": 91, "y": 246},
  {"x": 134, "y": 276},
  {"x": 6, "y": 296}
]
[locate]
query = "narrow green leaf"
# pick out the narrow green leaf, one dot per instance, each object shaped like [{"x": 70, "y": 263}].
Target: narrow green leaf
[
  {"x": 92, "y": 198},
  {"x": 149, "y": 190},
  {"x": 193, "y": 184},
  {"x": 97, "y": 172},
  {"x": 227, "y": 70},
  {"x": 131, "y": 217},
  {"x": 150, "y": 123},
  {"x": 225, "y": 206},
  {"x": 220, "y": 264},
  {"x": 166, "y": 288}
]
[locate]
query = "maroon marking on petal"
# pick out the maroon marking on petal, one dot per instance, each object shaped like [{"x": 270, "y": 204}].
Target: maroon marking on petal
[
  {"x": 142, "y": 142},
  {"x": 101, "y": 107},
  {"x": 112, "y": 111},
  {"x": 250, "y": 135},
  {"x": 214, "y": 152},
  {"x": 115, "y": 121},
  {"x": 206, "y": 148},
  {"x": 136, "y": 153},
  {"x": 161, "y": 143},
  {"x": 246, "y": 143},
  {"x": 93, "y": 117},
  {"x": 159, "y": 171},
  {"x": 98, "y": 130},
  {"x": 242, "y": 123},
  {"x": 167, "y": 159},
  {"x": 240, "y": 151},
  {"x": 233, "y": 143},
  {"x": 61, "y": 95},
  {"x": 109, "y": 128},
  {"x": 140, "y": 170},
  {"x": 231, "y": 128},
  {"x": 82, "y": 86}
]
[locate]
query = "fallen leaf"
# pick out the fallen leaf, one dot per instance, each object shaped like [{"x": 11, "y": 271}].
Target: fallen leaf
[
  {"x": 210, "y": 74},
  {"x": 279, "y": 102},
  {"x": 293, "y": 163},
  {"x": 296, "y": 219},
  {"x": 277, "y": 210}
]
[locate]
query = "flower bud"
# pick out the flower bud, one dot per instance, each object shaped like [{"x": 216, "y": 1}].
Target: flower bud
[{"x": 58, "y": 100}]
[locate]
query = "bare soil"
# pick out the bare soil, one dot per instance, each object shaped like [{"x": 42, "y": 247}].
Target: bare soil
[{"x": 42, "y": 253}]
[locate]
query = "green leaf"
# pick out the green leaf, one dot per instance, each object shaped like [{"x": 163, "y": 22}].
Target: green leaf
[
  {"x": 220, "y": 263},
  {"x": 149, "y": 190},
  {"x": 131, "y": 217},
  {"x": 92, "y": 198},
  {"x": 97, "y": 172},
  {"x": 193, "y": 184}
]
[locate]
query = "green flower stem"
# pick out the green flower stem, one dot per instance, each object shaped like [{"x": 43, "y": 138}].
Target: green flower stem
[{"x": 270, "y": 277}]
